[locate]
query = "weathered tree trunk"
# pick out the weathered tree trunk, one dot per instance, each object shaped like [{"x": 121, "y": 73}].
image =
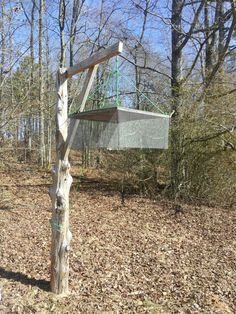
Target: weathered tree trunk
[{"x": 62, "y": 180}]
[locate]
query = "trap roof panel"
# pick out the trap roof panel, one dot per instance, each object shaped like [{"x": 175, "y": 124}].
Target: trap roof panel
[{"x": 116, "y": 114}]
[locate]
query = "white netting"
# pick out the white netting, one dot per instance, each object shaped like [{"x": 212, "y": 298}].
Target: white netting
[{"x": 120, "y": 128}]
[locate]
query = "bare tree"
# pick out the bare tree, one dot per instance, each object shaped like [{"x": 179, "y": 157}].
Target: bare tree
[
  {"x": 62, "y": 14},
  {"x": 76, "y": 11},
  {"x": 3, "y": 46},
  {"x": 41, "y": 84}
]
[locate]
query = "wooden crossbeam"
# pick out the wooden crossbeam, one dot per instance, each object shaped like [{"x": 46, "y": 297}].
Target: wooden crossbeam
[{"x": 97, "y": 58}]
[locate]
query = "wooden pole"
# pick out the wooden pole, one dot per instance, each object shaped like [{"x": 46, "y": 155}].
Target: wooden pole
[
  {"x": 59, "y": 192},
  {"x": 62, "y": 180}
]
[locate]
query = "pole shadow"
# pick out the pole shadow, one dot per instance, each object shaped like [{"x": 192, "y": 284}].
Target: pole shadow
[{"x": 24, "y": 279}]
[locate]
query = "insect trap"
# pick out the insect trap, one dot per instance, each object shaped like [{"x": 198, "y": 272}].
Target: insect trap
[{"x": 118, "y": 128}]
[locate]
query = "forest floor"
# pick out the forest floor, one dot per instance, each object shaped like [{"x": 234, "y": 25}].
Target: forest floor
[{"x": 135, "y": 258}]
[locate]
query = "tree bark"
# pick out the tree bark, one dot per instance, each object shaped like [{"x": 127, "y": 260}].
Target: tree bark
[{"x": 62, "y": 180}]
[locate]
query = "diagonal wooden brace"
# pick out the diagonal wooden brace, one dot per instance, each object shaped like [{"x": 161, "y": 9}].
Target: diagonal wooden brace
[{"x": 82, "y": 101}]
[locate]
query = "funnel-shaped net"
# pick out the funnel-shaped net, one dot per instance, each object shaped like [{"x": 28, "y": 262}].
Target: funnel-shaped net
[{"x": 120, "y": 128}]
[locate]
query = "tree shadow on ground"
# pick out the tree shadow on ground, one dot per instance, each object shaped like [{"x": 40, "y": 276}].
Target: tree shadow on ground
[{"x": 24, "y": 279}]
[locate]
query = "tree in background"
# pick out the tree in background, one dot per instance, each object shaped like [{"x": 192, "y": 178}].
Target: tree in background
[{"x": 180, "y": 54}]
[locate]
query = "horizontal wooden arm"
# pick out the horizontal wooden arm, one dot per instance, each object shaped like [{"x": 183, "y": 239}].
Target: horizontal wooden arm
[{"x": 97, "y": 58}]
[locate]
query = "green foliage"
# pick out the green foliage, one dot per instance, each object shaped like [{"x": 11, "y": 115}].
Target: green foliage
[{"x": 207, "y": 148}]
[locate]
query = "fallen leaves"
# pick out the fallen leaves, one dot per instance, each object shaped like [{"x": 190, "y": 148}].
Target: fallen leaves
[{"x": 137, "y": 258}]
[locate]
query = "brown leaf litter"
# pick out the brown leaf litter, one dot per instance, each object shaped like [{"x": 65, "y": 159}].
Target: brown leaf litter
[{"x": 137, "y": 258}]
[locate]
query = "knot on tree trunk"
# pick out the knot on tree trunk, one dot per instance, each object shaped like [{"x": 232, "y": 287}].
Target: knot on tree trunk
[
  {"x": 65, "y": 165},
  {"x": 61, "y": 203}
]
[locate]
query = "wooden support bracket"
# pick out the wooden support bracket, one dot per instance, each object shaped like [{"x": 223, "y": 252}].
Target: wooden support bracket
[
  {"x": 82, "y": 101},
  {"x": 97, "y": 58}
]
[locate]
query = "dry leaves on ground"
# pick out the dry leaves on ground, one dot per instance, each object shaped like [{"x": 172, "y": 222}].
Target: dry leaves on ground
[{"x": 137, "y": 258}]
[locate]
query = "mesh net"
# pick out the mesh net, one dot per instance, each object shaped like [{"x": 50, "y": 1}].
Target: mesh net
[{"x": 120, "y": 128}]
